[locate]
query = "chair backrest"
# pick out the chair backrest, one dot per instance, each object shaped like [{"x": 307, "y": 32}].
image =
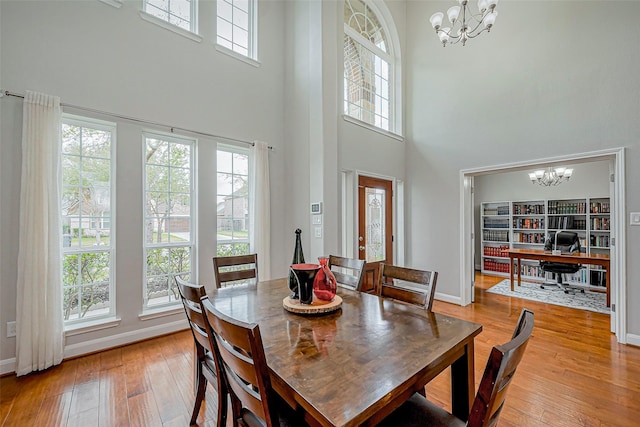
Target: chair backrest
[
  {"x": 501, "y": 366},
  {"x": 348, "y": 271},
  {"x": 407, "y": 284},
  {"x": 232, "y": 268},
  {"x": 192, "y": 296},
  {"x": 241, "y": 353},
  {"x": 564, "y": 241}
]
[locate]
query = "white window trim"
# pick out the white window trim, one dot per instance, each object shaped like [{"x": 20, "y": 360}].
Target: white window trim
[
  {"x": 238, "y": 56},
  {"x": 393, "y": 135},
  {"x": 91, "y": 326},
  {"x": 166, "y": 309},
  {"x": 164, "y": 24},
  {"x": 84, "y": 323},
  {"x": 114, "y": 3}
]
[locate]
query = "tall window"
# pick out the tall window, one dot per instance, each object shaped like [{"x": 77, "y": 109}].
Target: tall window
[
  {"x": 368, "y": 67},
  {"x": 236, "y": 26},
  {"x": 181, "y": 13},
  {"x": 169, "y": 216},
  {"x": 87, "y": 231},
  {"x": 233, "y": 202}
]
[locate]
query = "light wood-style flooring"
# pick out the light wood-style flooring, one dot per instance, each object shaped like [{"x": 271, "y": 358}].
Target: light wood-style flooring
[{"x": 573, "y": 374}]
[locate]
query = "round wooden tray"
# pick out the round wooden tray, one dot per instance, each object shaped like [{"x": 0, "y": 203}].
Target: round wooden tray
[{"x": 316, "y": 307}]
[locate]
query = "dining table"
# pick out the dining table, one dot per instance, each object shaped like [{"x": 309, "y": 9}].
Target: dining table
[{"x": 355, "y": 365}]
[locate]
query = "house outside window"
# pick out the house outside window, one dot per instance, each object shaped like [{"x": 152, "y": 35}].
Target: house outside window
[
  {"x": 169, "y": 229},
  {"x": 232, "y": 201},
  {"x": 236, "y": 28},
  {"x": 181, "y": 13},
  {"x": 88, "y": 257},
  {"x": 368, "y": 67}
]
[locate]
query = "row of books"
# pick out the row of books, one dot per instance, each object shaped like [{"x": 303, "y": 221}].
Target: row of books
[
  {"x": 499, "y": 267},
  {"x": 599, "y": 241},
  {"x": 495, "y": 235},
  {"x": 499, "y": 251},
  {"x": 567, "y": 207},
  {"x": 531, "y": 223},
  {"x": 498, "y": 210},
  {"x": 496, "y": 223},
  {"x": 526, "y": 209},
  {"x": 599, "y": 207},
  {"x": 528, "y": 237},
  {"x": 600, "y": 223},
  {"x": 567, "y": 223}
]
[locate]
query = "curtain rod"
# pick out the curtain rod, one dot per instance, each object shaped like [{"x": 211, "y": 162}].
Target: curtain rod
[{"x": 134, "y": 119}]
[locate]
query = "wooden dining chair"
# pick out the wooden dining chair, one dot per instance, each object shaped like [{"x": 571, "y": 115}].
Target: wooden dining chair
[
  {"x": 489, "y": 400},
  {"x": 407, "y": 285},
  {"x": 207, "y": 369},
  {"x": 227, "y": 269},
  {"x": 240, "y": 351},
  {"x": 348, "y": 271}
]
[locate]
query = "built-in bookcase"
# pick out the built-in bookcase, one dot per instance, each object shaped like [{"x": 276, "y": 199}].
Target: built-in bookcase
[{"x": 526, "y": 224}]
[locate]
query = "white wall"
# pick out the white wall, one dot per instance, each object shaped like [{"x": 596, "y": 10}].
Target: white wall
[
  {"x": 547, "y": 81},
  {"x": 588, "y": 180},
  {"x": 96, "y": 56}
]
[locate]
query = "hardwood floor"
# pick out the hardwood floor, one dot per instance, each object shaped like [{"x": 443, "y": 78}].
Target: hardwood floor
[{"x": 573, "y": 374}]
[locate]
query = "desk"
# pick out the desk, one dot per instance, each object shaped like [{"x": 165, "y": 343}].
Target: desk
[
  {"x": 356, "y": 365},
  {"x": 575, "y": 258}
]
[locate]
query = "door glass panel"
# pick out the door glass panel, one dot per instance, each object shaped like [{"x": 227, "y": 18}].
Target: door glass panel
[{"x": 375, "y": 224}]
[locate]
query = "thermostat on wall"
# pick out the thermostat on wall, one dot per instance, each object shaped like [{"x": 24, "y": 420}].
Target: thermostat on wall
[{"x": 316, "y": 208}]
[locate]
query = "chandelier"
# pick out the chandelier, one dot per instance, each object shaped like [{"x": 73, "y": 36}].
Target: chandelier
[
  {"x": 550, "y": 176},
  {"x": 469, "y": 23}
]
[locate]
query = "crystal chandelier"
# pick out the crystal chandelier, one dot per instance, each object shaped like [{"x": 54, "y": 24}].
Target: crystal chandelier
[
  {"x": 550, "y": 176},
  {"x": 469, "y": 23}
]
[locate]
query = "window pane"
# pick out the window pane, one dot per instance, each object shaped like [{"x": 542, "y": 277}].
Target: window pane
[
  {"x": 70, "y": 139},
  {"x": 233, "y": 204},
  {"x": 225, "y": 10},
  {"x": 225, "y": 29},
  {"x": 241, "y": 19},
  {"x": 234, "y": 28},
  {"x": 242, "y": 4},
  {"x": 96, "y": 143}
]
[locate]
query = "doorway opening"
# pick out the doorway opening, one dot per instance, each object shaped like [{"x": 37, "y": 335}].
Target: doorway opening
[{"x": 617, "y": 250}]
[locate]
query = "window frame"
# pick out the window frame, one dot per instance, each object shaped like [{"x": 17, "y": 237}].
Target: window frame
[
  {"x": 87, "y": 122},
  {"x": 252, "y": 30},
  {"x": 234, "y": 149},
  {"x": 172, "y": 303},
  {"x": 392, "y": 58}
]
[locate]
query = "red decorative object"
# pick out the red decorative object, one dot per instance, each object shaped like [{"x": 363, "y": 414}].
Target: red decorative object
[{"x": 324, "y": 284}]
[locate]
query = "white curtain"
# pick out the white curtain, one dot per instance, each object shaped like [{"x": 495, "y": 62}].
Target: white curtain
[
  {"x": 261, "y": 209},
  {"x": 39, "y": 323}
]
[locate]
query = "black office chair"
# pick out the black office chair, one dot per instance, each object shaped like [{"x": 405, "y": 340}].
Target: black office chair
[{"x": 566, "y": 242}]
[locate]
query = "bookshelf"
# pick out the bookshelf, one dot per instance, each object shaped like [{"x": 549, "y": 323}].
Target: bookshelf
[{"x": 525, "y": 224}]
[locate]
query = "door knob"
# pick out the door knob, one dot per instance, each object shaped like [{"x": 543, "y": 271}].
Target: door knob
[{"x": 362, "y": 248}]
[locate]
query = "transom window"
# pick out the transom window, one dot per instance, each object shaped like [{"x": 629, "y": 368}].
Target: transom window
[
  {"x": 368, "y": 67},
  {"x": 236, "y": 26},
  {"x": 169, "y": 216},
  {"x": 181, "y": 13},
  {"x": 232, "y": 201},
  {"x": 87, "y": 231}
]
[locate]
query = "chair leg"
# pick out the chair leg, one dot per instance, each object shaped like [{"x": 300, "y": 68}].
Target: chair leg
[
  {"x": 222, "y": 406},
  {"x": 200, "y": 393}
]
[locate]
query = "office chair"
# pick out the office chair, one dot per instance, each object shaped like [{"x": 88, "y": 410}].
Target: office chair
[{"x": 566, "y": 242}]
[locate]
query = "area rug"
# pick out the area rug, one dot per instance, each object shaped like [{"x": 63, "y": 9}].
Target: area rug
[{"x": 592, "y": 301}]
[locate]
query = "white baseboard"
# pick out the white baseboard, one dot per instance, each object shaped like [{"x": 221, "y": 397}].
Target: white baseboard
[
  {"x": 8, "y": 366},
  {"x": 633, "y": 339},
  {"x": 448, "y": 298}
]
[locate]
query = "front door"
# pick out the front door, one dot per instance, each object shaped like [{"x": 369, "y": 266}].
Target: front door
[{"x": 375, "y": 226}]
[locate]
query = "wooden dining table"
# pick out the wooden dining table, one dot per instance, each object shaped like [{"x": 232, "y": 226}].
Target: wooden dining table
[{"x": 356, "y": 365}]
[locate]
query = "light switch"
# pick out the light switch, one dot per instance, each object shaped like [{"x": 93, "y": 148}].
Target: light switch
[
  {"x": 316, "y": 219},
  {"x": 634, "y": 218},
  {"x": 318, "y": 232}
]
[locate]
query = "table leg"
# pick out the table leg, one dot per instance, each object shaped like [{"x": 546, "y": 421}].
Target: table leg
[
  {"x": 511, "y": 272},
  {"x": 519, "y": 272},
  {"x": 463, "y": 383}
]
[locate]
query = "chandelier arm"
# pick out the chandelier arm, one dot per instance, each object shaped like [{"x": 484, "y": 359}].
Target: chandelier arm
[{"x": 478, "y": 33}]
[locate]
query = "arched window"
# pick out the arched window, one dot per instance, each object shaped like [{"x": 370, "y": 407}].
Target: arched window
[{"x": 369, "y": 67}]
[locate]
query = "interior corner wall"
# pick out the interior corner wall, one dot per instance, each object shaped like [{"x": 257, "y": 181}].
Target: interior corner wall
[{"x": 538, "y": 85}]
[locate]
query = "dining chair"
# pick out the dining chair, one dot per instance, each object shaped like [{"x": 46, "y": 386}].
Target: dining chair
[
  {"x": 407, "y": 285},
  {"x": 207, "y": 369},
  {"x": 348, "y": 271},
  {"x": 242, "y": 359},
  {"x": 228, "y": 269},
  {"x": 489, "y": 400}
]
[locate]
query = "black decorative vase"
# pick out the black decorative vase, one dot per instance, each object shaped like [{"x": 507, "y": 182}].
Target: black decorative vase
[
  {"x": 298, "y": 258},
  {"x": 304, "y": 275}
]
